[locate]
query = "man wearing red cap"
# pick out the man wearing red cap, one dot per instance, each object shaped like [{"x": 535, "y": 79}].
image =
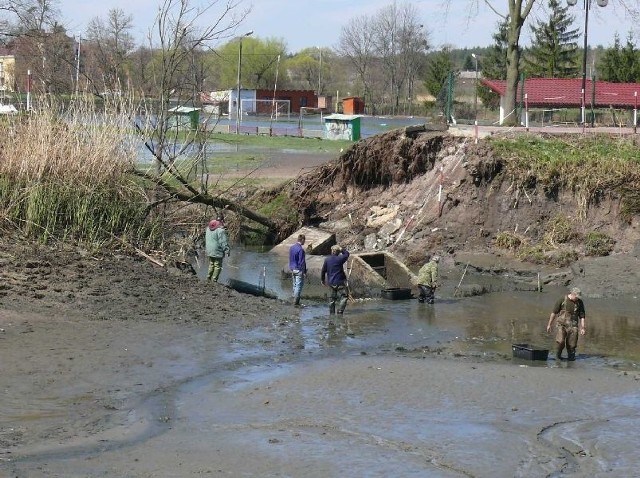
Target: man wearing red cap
[{"x": 217, "y": 245}]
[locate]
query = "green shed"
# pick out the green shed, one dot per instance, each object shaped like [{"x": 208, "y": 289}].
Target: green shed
[
  {"x": 339, "y": 126},
  {"x": 182, "y": 117}
]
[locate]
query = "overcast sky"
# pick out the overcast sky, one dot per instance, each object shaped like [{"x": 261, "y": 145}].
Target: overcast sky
[{"x": 309, "y": 23}]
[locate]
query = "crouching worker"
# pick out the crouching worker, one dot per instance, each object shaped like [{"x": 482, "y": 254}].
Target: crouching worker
[
  {"x": 333, "y": 276},
  {"x": 568, "y": 313},
  {"x": 428, "y": 280}
]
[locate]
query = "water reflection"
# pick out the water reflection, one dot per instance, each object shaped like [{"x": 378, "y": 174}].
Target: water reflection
[{"x": 485, "y": 325}]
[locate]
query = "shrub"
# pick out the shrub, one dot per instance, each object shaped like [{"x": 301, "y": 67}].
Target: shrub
[
  {"x": 508, "y": 240},
  {"x": 598, "y": 244},
  {"x": 559, "y": 230}
]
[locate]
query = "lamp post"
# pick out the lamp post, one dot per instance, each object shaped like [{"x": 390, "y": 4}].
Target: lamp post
[
  {"x": 320, "y": 71},
  {"x": 78, "y": 63},
  {"x": 475, "y": 96},
  {"x": 238, "y": 109},
  {"x": 587, "y": 6}
]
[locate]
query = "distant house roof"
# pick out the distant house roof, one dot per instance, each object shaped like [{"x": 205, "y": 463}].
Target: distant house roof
[{"x": 567, "y": 92}]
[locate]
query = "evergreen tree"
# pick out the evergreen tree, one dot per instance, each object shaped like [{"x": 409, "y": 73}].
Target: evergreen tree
[
  {"x": 554, "y": 51},
  {"x": 469, "y": 63},
  {"x": 494, "y": 65},
  {"x": 438, "y": 67},
  {"x": 620, "y": 65}
]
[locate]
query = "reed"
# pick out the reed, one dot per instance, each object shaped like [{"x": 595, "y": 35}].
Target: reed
[{"x": 64, "y": 174}]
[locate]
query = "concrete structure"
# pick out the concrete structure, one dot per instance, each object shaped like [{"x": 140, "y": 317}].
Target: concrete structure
[{"x": 368, "y": 273}]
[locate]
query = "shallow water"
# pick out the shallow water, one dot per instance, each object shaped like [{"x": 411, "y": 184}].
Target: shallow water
[{"x": 485, "y": 325}]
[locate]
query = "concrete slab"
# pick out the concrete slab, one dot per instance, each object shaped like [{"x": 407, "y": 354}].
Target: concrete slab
[{"x": 318, "y": 241}]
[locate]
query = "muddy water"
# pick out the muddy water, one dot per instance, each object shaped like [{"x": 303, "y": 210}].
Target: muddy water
[
  {"x": 299, "y": 416},
  {"x": 485, "y": 325}
]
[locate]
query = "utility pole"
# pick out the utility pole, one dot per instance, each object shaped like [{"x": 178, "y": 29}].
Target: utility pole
[
  {"x": 238, "y": 107},
  {"x": 78, "y": 64}
]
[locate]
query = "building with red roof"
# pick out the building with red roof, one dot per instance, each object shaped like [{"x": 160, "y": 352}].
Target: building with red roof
[{"x": 567, "y": 93}]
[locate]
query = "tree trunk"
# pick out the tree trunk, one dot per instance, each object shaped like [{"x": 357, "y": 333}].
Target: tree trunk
[
  {"x": 513, "y": 73},
  {"x": 517, "y": 16}
]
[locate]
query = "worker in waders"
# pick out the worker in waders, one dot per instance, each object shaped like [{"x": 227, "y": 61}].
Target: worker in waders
[
  {"x": 569, "y": 315},
  {"x": 428, "y": 280},
  {"x": 332, "y": 275}
]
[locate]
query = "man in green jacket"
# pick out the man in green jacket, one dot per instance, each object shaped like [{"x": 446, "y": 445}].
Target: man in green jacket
[
  {"x": 428, "y": 280},
  {"x": 217, "y": 245}
]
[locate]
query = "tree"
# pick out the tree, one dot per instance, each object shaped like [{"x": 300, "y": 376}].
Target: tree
[
  {"x": 356, "y": 43},
  {"x": 42, "y": 44},
  {"x": 554, "y": 51},
  {"x": 621, "y": 64},
  {"x": 388, "y": 48},
  {"x": 260, "y": 60},
  {"x": 494, "y": 65},
  {"x": 518, "y": 11},
  {"x": 310, "y": 68},
  {"x": 110, "y": 41},
  {"x": 439, "y": 65},
  {"x": 176, "y": 38}
]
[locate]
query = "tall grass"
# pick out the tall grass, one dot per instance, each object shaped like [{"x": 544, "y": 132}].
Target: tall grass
[{"x": 64, "y": 174}]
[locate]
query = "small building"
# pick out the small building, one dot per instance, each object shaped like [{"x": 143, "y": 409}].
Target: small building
[
  {"x": 184, "y": 117},
  {"x": 339, "y": 126},
  {"x": 352, "y": 105},
  {"x": 296, "y": 99},
  {"x": 554, "y": 93},
  {"x": 7, "y": 73},
  {"x": 325, "y": 103},
  {"x": 224, "y": 102},
  {"x": 258, "y": 102}
]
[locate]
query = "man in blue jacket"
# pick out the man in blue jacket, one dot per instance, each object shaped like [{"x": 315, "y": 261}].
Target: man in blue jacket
[
  {"x": 298, "y": 267},
  {"x": 333, "y": 276}
]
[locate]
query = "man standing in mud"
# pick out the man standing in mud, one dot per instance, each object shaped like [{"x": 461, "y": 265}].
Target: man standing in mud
[
  {"x": 428, "y": 280},
  {"x": 569, "y": 314},
  {"x": 333, "y": 276},
  {"x": 298, "y": 267},
  {"x": 217, "y": 245}
]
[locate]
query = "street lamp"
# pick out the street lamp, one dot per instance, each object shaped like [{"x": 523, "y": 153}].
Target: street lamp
[
  {"x": 587, "y": 6},
  {"x": 78, "y": 63},
  {"x": 319, "y": 70},
  {"x": 238, "y": 109},
  {"x": 475, "y": 96}
]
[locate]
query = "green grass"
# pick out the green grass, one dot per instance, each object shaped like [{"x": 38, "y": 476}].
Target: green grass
[{"x": 282, "y": 142}]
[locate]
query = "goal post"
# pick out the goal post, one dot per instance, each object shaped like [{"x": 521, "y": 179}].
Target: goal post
[{"x": 267, "y": 108}]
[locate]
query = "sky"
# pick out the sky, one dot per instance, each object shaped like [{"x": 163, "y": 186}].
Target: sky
[{"x": 317, "y": 23}]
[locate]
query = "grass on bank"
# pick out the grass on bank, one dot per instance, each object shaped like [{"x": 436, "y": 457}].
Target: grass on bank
[
  {"x": 282, "y": 142},
  {"x": 590, "y": 167},
  {"x": 575, "y": 162}
]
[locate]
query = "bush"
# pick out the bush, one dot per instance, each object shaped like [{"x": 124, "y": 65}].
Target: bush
[
  {"x": 598, "y": 244},
  {"x": 508, "y": 240},
  {"x": 559, "y": 230}
]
